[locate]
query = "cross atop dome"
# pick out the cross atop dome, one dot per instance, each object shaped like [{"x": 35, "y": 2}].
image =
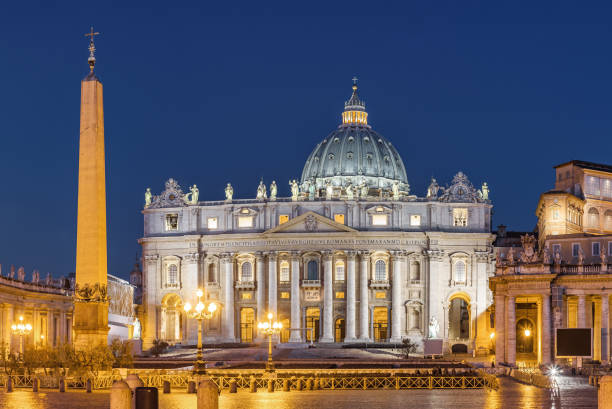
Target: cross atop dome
[{"x": 354, "y": 109}]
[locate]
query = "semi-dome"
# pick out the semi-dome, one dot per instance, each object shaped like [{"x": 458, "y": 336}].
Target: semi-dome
[{"x": 354, "y": 154}]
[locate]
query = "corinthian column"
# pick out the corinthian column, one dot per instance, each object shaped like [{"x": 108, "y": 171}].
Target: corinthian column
[
  {"x": 500, "y": 336},
  {"x": 260, "y": 287},
  {"x": 364, "y": 298},
  {"x": 272, "y": 287},
  {"x": 296, "y": 335},
  {"x": 328, "y": 301},
  {"x": 605, "y": 328},
  {"x": 511, "y": 330},
  {"x": 581, "y": 318},
  {"x": 228, "y": 319},
  {"x": 396, "y": 300},
  {"x": 350, "y": 298},
  {"x": 546, "y": 325}
]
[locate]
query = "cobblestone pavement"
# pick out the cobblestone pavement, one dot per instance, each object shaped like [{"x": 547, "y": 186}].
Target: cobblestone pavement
[{"x": 574, "y": 395}]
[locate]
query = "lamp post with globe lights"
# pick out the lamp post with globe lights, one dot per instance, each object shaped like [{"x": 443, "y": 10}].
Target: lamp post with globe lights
[
  {"x": 270, "y": 328},
  {"x": 21, "y": 329},
  {"x": 202, "y": 311}
]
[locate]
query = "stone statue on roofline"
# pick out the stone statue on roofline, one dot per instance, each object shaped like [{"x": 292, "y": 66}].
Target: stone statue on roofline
[
  {"x": 395, "y": 190},
  {"x": 295, "y": 190},
  {"x": 273, "y": 190},
  {"x": 148, "y": 196},
  {"x": 193, "y": 195},
  {"x": 312, "y": 188},
  {"x": 35, "y": 277},
  {"x": 21, "y": 274},
  {"x": 510, "y": 256},
  {"x": 49, "y": 279},
  {"x": 229, "y": 193},
  {"x": 432, "y": 190},
  {"x": 580, "y": 256},
  {"x": 262, "y": 193},
  {"x": 329, "y": 190},
  {"x": 12, "y": 272},
  {"x": 363, "y": 188},
  {"x": 349, "y": 191},
  {"x": 546, "y": 256},
  {"x": 484, "y": 191}
]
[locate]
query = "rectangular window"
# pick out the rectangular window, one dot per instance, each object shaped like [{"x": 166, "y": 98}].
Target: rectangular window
[
  {"x": 606, "y": 188},
  {"x": 460, "y": 217},
  {"x": 339, "y": 294},
  {"x": 556, "y": 249},
  {"x": 171, "y": 222},
  {"x": 381, "y": 294},
  {"x": 592, "y": 185},
  {"x": 284, "y": 273},
  {"x": 339, "y": 218},
  {"x": 285, "y": 294},
  {"x": 415, "y": 219},
  {"x": 379, "y": 220},
  {"x": 555, "y": 214},
  {"x": 575, "y": 249},
  {"x": 212, "y": 223},
  {"x": 247, "y": 296},
  {"x": 609, "y": 248},
  {"x": 245, "y": 221},
  {"x": 283, "y": 218},
  {"x": 595, "y": 247}
]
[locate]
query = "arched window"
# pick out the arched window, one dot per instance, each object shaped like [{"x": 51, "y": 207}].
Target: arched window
[
  {"x": 593, "y": 218},
  {"x": 246, "y": 272},
  {"x": 380, "y": 270},
  {"x": 459, "y": 272},
  {"x": 608, "y": 220},
  {"x": 172, "y": 274},
  {"x": 284, "y": 272},
  {"x": 211, "y": 274},
  {"x": 313, "y": 270},
  {"x": 340, "y": 271}
]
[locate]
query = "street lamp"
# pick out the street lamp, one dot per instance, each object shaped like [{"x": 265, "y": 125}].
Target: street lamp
[
  {"x": 270, "y": 328},
  {"x": 21, "y": 329},
  {"x": 201, "y": 312}
]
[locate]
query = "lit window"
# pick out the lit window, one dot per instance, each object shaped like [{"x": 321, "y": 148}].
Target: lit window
[
  {"x": 575, "y": 249},
  {"x": 595, "y": 247},
  {"x": 245, "y": 221},
  {"x": 339, "y": 294},
  {"x": 339, "y": 218},
  {"x": 381, "y": 294},
  {"x": 171, "y": 222},
  {"x": 172, "y": 274},
  {"x": 284, "y": 272},
  {"x": 340, "y": 271},
  {"x": 460, "y": 217},
  {"x": 247, "y": 296},
  {"x": 284, "y": 294},
  {"x": 212, "y": 223},
  {"x": 555, "y": 214},
  {"x": 592, "y": 185},
  {"x": 415, "y": 220},
  {"x": 606, "y": 188},
  {"x": 380, "y": 270},
  {"x": 459, "y": 273},
  {"x": 379, "y": 220},
  {"x": 246, "y": 272},
  {"x": 593, "y": 218},
  {"x": 283, "y": 218}
]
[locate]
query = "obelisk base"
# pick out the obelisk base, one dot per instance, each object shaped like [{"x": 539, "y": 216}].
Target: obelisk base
[{"x": 90, "y": 324}]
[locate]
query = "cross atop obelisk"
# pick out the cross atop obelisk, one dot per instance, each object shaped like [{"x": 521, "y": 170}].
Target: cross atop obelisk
[{"x": 92, "y": 48}]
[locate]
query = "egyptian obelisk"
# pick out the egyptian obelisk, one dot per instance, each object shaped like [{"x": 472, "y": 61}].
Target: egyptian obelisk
[{"x": 91, "y": 300}]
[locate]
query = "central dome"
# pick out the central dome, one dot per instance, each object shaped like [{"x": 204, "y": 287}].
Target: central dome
[{"x": 354, "y": 154}]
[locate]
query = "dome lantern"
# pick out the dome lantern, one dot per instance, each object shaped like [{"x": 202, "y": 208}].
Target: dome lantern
[{"x": 354, "y": 109}]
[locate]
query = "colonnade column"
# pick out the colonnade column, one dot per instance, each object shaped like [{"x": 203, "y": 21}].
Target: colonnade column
[
  {"x": 396, "y": 300},
  {"x": 272, "y": 285},
  {"x": 364, "y": 301},
  {"x": 228, "y": 327},
  {"x": 328, "y": 300},
  {"x": 546, "y": 335},
  {"x": 296, "y": 335},
  {"x": 350, "y": 297},
  {"x": 260, "y": 287},
  {"x": 500, "y": 340},
  {"x": 8, "y": 321},
  {"x": 511, "y": 330},
  {"x": 581, "y": 313},
  {"x": 605, "y": 331}
]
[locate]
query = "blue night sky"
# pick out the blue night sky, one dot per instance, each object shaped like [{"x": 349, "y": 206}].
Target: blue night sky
[{"x": 210, "y": 94}]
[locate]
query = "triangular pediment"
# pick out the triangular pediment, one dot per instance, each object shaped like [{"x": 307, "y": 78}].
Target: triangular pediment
[{"x": 311, "y": 222}]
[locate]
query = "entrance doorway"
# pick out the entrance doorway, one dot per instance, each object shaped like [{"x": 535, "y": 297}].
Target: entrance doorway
[
  {"x": 285, "y": 333},
  {"x": 458, "y": 319},
  {"x": 524, "y": 336},
  {"x": 340, "y": 330},
  {"x": 247, "y": 318},
  {"x": 313, "y": 316},
  {"x": 381, "y": 323}
]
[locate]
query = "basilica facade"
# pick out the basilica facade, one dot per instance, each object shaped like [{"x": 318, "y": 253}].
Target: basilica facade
[{"x": 351, "y": 256}]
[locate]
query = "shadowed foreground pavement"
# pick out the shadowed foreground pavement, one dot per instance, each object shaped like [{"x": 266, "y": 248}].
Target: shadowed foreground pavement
[{"x": 511, "y": 395}]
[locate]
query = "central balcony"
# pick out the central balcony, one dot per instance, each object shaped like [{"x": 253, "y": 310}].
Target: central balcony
[
  {"x": 245, "y": 285},
  {"x": 379, "y": 284},
  {"x": 311, "y": 283}
]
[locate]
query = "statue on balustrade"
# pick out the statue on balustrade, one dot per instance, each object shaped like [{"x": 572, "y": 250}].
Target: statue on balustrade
[
  {"x": 193, "y": 195},
  {"x": 395, "y": 190},
  {"x": 21, "y": 274},
  {"x": 35, "y": 277},
  {"x": 312, "y": 187},
  {"x": 349, "y": 191},
  {"x": 329, "y": 190},
  {"x": 273, "y": 190},
  {"x": 295, "y": 190},
  {"x": 148, "y": 196},
  {"x": 432, "y": 190},
  {"x": 229, "y": 193},
  {"x": 12, "y": 273},
  {"x": 262, "y": 193}
]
